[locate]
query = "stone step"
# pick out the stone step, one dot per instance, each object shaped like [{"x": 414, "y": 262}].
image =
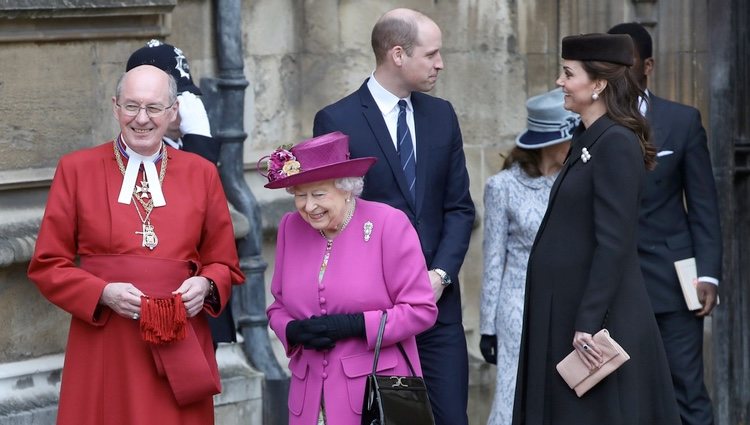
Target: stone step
[{"x": 29, "y": 390}]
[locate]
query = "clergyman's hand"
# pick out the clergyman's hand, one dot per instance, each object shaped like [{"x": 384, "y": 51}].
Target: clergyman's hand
[
  {"x": 194, "y": 291},
  {"x": 123, "y": 298}
]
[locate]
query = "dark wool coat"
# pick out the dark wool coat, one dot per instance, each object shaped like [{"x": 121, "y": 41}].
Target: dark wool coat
[{"x": 584, "y": 274}]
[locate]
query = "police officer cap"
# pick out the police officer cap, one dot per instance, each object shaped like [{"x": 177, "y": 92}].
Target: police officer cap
[{"x": 168, "y": 58}]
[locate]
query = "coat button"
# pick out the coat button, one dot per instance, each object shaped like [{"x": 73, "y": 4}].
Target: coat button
[
  {"x": 325, "y": 362},
  {"x": 323, "y": 311},
  {"x": 325, "y": 375},
  {"x": 322, "y": 300}
]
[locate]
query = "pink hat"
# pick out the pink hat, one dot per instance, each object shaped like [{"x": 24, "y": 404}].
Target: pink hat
[{"x": 321, "y": 158}]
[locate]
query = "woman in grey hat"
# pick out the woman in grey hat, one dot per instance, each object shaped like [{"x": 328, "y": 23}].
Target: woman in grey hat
[
  {"x": 583, "y": 273},
  {"x": 514, "y": 203}
]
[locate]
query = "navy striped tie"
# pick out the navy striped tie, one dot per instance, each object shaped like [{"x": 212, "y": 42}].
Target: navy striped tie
[{"x": 406, "y": 148}]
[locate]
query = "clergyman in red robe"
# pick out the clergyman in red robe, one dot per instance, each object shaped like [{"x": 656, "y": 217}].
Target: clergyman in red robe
[{"x": 137, "y": 245}]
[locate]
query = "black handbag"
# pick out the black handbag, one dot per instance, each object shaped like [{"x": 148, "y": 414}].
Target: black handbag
[{"x": 395, "y": 400}]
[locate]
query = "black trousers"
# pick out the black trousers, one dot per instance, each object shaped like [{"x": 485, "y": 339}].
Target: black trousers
[
  {"x": 445, "y": 365},
  {"x": 682, "y": 333}
]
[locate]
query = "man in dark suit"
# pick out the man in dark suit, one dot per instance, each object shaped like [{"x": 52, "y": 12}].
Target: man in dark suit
[
  {"x": 679, "y": 219},
  {"x": 421, "y": 170}
]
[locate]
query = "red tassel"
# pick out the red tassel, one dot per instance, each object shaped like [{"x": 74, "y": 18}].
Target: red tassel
[{"x": 163, "y": 320}]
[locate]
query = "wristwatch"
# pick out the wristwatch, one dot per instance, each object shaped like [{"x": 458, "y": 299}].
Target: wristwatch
[
  {"x": 212, "y": 298},
  {"x": 444, "y": 277}
]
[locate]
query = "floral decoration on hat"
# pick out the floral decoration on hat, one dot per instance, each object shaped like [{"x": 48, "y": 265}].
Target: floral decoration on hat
[
  {"x": 281, "y": 163},
  {"x": 317, "y": 159}
]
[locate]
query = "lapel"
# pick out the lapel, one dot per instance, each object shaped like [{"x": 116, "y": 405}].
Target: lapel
[
  {"x": 657, "y": 116},
  {"x": 375, "y": 121},
  {"x": 424, "y": 133},
  {"x": 582, "y": 138}
]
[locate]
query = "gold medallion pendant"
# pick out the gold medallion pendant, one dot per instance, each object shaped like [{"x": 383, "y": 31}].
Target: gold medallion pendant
[
  {"x": 142, "y": 195},
  {"x": 150, "y": 240}
]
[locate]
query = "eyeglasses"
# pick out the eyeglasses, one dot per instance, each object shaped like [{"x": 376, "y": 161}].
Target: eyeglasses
[{"x": 153, "y": 111}]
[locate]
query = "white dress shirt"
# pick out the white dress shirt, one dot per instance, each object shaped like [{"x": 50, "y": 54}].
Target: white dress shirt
[{"x": 388, "y": 104}]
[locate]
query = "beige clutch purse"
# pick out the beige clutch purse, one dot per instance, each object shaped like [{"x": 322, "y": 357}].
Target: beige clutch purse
[{"x": 579, "y": 377}]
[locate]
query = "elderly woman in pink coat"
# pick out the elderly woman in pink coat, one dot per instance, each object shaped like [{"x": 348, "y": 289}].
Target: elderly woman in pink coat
[{"x": 340, "y": 262}]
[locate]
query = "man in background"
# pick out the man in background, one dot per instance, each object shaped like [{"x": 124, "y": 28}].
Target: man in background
[
  {"x": 421, "y": 170},
  {"x": 679, "y": 219}
]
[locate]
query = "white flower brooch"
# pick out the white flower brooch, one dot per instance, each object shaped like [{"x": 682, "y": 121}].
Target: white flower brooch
[{"x": 367, "y": 230}]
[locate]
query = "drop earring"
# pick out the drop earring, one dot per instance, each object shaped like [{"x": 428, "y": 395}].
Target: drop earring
[{"x": 595, "y": 96}]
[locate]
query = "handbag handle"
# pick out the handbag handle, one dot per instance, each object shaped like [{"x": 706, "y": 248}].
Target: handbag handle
[{"x": 379, "y": 341}]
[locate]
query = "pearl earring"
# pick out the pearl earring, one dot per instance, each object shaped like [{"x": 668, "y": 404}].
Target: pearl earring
[{"x": 595, "y": 96}]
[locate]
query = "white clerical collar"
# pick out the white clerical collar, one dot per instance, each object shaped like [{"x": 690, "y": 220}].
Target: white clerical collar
[
  {"x": 385, "y": 100},
  {"x": 131, "y": 174}
]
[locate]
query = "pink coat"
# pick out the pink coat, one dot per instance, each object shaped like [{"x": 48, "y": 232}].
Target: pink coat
[{"x": 386, "y": 272}]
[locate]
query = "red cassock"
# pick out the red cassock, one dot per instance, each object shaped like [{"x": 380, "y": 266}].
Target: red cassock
[{"x": 110, "y": 374}]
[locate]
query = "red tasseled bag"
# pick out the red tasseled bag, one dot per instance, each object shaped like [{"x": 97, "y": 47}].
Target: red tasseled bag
[{"x": 163, "y": 320}]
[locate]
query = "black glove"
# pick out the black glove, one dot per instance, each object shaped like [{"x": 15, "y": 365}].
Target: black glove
[
  {"x": 340, "y": 326},
  {"x": 309, "y": 334},
  {"x": 488, "y": 347}
]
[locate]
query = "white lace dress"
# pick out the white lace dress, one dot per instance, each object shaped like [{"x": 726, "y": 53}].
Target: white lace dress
[{"x": 514, "y": 205}]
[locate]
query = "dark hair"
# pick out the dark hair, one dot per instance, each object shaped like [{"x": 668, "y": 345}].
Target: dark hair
[
  {"x": 639, "y": 34},
  {"x": 527, "y": 159},
  {"x": 621, "y": 98},
  {"x": 393, "y": 31}
]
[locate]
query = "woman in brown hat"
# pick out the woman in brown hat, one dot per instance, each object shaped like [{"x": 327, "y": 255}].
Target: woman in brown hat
[
  {"x": 340, "y": 262},
  {"x": 583, "y": 273},
  {"x": 515, "y": 200}
]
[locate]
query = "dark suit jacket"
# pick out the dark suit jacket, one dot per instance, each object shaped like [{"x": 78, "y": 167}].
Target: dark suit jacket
[
  {"x": 671, "y": 227},
  {"x": 206, "y": 147},
  {"x": 443, "y": 213},
  {"x": 584, "y": 274}
]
